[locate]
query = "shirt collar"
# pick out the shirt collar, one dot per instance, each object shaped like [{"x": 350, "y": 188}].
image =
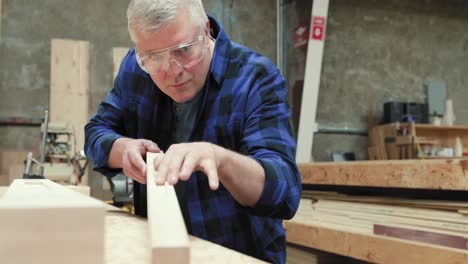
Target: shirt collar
[{"x": 219, "y": 62}]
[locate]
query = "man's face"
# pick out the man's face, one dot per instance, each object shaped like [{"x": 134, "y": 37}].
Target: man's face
[{"x": 177, "y": 57}]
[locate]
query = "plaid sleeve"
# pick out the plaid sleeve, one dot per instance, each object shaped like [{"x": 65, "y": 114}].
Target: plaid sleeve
[
  {"x": 105, "y": 127},
  {"x": 269, "y": 140}
]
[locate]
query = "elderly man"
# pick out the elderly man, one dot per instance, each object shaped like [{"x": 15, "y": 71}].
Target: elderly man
[{"x": 218, "y": 111}]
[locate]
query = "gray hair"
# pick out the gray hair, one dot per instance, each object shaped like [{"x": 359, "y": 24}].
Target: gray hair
[{"x": 148, "y": 16}]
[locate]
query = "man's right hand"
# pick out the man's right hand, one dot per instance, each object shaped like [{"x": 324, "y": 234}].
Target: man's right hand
[{"x": 127, "y": 153}]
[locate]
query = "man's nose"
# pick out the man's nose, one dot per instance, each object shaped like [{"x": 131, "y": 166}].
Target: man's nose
[{"x": 175, "y": 68}]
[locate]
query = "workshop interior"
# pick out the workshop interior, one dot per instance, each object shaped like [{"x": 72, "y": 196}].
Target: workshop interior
[{"x": 378, "y": 101}]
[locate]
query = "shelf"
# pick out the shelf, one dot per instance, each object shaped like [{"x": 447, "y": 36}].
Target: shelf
[
  {"x": 383, "y": 139},
  {"x": 444, "y": 129},
  {"x": 439, "y": 174}
]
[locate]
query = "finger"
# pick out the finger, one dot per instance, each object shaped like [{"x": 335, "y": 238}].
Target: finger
[
  {"x": 157, "y": 161},
  {"x": 174, "y": 164},
  {"x": 136, "y": 160},
  {"x": 137, "y": 166},
  {"x": 190, "y": 163},
  {"x": 161, "y": 175},
  {"x": 131, "y": 174},
  {"x": 150, "y": 146},
  {"x": 209, "y": 168}
]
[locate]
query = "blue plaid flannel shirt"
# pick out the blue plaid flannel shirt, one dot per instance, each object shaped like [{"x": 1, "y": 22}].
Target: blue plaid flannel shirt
[{"x": 245, "y": 110}]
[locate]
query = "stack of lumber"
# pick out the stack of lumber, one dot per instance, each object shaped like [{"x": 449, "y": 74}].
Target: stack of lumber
[
  {"x": 356, "y": 239},
  {"x": 300, "y": 255},
  {"x": 440, "y": 223}
]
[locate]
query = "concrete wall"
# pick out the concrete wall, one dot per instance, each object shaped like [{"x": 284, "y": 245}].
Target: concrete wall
[
  {"x": 27, "y": 27},
  {"x": 388, "y": 48}
]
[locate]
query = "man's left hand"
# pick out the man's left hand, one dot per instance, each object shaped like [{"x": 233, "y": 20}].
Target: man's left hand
[{"x": 181, "y": 160}]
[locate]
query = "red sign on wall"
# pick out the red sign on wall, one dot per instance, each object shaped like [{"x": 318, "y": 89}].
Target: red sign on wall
[{"x": 318, "y": 28}]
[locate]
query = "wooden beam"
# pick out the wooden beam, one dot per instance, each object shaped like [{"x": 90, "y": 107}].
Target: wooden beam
[
  {"x": 168, "y": 234},
  {"x": 43, "y": 222},
  {"x": 427, "y": 174},
  {"x": 331, "y": 236},
  {"x": 69, "y": 87}
]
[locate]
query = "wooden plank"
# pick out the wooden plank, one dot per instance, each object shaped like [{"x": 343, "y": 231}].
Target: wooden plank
[
  {"x": 422, "y": 128},
  {"x": 389, "y": 210},
  {"x": 305, "y": 231},
  {"x": 11, "y": 165},
  {"x": 447, "y": 174},
  {"x": 69, "y": 87},
  {"x": 313, "y": 70},
  {"x": 43, "y": 222},
  {"x": 118, "y": 54},
  {"x": 168, "y": 234},
  {"x": 422, "y": 234},
  {"x": 10, "y": 158},
  {"x": 420, "y": 203},
  {"x": 16, "y": 171},
  {"x": 374, "y": 217},
  {"x": 4, "y": 180}
]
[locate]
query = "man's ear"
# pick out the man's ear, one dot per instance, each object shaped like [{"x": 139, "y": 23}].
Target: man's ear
[{"x": 207, "y": 29}]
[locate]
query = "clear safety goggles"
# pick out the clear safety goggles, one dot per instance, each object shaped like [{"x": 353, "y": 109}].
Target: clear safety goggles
[{"x": 185, "y": 55}]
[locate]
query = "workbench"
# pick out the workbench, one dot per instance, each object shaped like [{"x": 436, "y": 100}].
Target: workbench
[
  {"x": 444, "y": 174},
  {"x": 127, "y": 241}
]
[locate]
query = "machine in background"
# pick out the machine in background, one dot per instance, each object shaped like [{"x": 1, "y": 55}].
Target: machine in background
[{"x": 59, "y": 159}]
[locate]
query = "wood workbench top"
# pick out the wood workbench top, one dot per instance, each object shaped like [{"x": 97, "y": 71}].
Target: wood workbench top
[
  {"x": 127, "y": 241},
  {"x": 446, "y": 174}
]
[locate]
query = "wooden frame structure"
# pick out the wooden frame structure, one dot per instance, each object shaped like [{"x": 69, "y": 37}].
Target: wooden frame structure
[
  {"x": 44, "y": 222},
  {"x": 168, "y": 235}
]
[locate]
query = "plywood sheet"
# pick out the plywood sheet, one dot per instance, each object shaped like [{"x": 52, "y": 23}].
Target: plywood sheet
[{"x": 69, "y": 87}]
